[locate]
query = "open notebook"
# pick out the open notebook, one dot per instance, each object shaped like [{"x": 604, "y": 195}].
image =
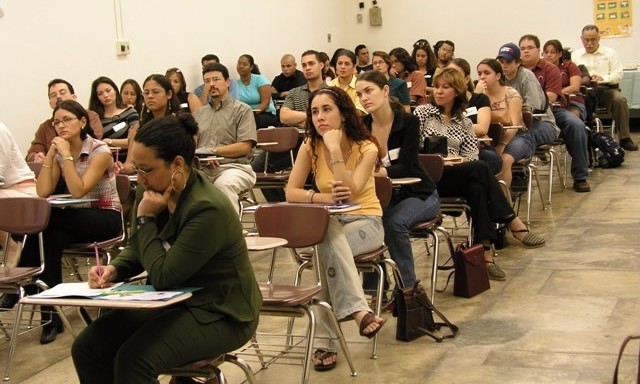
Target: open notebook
[{"x": 118, "y": 291}]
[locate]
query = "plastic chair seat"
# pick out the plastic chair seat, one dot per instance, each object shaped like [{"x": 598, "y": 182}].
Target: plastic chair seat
[
  {"x": 11, "y": 275},
  {"x": 371, "y": 257},
  {"x": 287, "y": 295}
]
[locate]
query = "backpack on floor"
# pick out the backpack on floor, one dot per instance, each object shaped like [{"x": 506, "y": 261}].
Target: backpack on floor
[{"x": 606, "y": 152}]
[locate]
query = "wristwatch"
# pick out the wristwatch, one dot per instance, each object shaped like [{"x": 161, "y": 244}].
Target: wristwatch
[{"x": 142, "y": 220}]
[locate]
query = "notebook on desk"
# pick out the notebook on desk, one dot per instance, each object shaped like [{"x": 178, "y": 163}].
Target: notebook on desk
[{"x": 118, "y": 291}]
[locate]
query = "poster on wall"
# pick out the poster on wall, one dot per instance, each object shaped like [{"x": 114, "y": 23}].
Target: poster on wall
[{"x": 613, "y": 17}]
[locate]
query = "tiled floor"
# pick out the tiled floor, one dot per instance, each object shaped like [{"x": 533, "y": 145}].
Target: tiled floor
[{"x": 558, "y": 318}]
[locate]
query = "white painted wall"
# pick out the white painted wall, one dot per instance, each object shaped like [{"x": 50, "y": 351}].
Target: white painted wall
[{"x": 75, "y": 39}]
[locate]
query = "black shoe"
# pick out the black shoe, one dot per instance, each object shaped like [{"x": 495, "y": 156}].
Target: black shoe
[
  {"x": 581, "y": 186},
  {"x": 50, "y": 332},
  {"x": 628, "y": 145},
  {"x": 8, "y": 300}
]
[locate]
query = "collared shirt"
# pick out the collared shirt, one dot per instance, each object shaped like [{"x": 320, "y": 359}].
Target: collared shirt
[
  {"x": 105, "y": 190},
  {"x": 604, "y": 62},
  {"x": 351, "y": 91},
  {"x": 461, "y": 139},
  {"x": 298, "y": 98},
  {"x": 229, "y": 122}
]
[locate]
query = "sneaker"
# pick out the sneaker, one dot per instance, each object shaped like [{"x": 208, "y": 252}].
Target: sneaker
[
  {"x": 581, "y": 186},
  {"x": 628, "y": 145},
  {"x": 495, "y": 272}
]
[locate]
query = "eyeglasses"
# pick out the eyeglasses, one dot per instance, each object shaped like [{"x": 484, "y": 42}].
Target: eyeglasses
[
  {"x": 421, "y": 44},
  {"x": 212, "y": 80},
  {"x": 145, "y": 172},
  {"x": 65, "y": 121}
]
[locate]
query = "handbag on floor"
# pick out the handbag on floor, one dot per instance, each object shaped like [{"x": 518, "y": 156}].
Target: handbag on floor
[
  {"x": 415, "y": 312},
  {"x": 622, "y": 347},
  {"x": 470, "y": 277}
]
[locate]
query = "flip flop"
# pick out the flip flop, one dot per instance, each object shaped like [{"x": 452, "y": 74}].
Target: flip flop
[
  {"x": 321, "y": 354},
  {"x": 366, "y": 321}
]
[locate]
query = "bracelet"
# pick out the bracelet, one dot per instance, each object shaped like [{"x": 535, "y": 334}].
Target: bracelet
[
  {"x": 142, "y": 220},
  {"x": 45, "y": 165},
  {"x": 311, "y": 197},
  {"x": 332, "y": 162},
  {"x": 307, "y": 197},
  {"x": 70, "y": 158}
]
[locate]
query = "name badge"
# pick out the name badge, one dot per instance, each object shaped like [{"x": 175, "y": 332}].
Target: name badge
[
  {"x": 471, "y": 111},
  {"x": 394, "y": 153},
  {"x": 119, "y": 126}
]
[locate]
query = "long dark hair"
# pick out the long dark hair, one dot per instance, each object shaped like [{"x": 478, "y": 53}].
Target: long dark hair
[
  {"x": 136, "y": 88},
  {"x": 495, "y": 67},
  {"x": 170, "y": 136},
  {"x": 354, "y": 129},
  {"x": 94, "y": 103},
  {"x": 404, "y": 58},
  {"x": 78, "y": 111},
  {"x": 431, "y": 56},
  {"x": 173, "y": 105},
  {"x": 177, "y": 72},
  {"x": 380, "y": 80},
  {"x": 558, "y": 47}
]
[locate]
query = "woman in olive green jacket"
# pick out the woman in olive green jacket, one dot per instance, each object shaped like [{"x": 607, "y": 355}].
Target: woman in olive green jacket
[{"x": 186, "y": 234}]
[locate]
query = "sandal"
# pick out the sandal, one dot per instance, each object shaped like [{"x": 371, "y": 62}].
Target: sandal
[
  {"x": 319, "y": 355},
  {"x": 495, "y": 272},
  {"x": 531, "y": 240},
  {"x": 367, "y": 320}
]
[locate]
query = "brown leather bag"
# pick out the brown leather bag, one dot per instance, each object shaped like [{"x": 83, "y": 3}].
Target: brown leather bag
[{"x": 470, "y": 276}]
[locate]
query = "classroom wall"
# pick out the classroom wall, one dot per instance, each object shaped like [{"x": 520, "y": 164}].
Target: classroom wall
[
  {"x": 75, "y": 39},
  {"x": 479, "y": 28}
]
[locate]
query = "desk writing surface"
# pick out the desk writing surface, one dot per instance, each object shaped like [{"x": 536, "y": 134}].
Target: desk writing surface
[
  {"x": 259, "y": 243},
  {"x": 405, "y": 180},
  {"x": 333, "y": 208},
  {"x": 82, "y": 302}
]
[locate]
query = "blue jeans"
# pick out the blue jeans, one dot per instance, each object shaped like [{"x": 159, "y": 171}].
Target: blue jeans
[
  {"x": 574, "y": 133},
  {"x": 543, "y": 132},
  {"x": 397, "y": 219},
  {"x": 521, "y": 146}
]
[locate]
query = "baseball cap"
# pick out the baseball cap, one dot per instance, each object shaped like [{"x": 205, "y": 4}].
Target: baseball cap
[{"x": 509, "y": 52}]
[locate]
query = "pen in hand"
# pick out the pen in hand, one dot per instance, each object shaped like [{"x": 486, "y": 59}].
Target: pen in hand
[{"x": 99, "y": 271}]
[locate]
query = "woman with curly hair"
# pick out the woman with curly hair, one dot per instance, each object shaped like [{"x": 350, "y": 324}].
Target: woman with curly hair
[{"x": 343, "y": 156}]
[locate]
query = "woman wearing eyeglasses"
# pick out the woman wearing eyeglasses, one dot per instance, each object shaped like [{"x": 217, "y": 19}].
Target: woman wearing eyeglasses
[
  {"x": 187, "y": 235},
  {"x": 397, "y": 87},
  {"x": 84, "y": 166},
  {"x": 188, "y": 101}
]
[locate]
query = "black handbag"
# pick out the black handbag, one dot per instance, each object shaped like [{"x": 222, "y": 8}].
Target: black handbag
[
  {"x": 436, "y": 145},
  {"x": 415, "y": 312},
  {"x": 470, "y": 275}
]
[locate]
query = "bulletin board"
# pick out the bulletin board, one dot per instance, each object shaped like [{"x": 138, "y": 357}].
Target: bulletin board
[{"x": 613, "y": 17}]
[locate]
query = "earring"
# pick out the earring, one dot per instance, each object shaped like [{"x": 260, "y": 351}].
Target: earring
[{"x": 173, "y": 181}]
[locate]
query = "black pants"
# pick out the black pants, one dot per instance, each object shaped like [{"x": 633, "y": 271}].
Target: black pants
[
  {"x": 135, "y": 346},
  {"x": 474, "y": 181},
  {"x": 68, "y": 226}
]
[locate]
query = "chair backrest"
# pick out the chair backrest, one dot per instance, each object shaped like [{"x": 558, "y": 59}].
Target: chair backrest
[
  {"x": 433, "y": 164},
  {"x": 24, "y": 215},
  {"x": 384, "y": 190},
  {"x": 123, "y": 186},
  {"x": 302, "y": 225},
  {"x": 35, "y": 167},
  {"x": 285, "y": 137}
]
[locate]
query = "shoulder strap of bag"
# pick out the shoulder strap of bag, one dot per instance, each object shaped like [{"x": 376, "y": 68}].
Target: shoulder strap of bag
[
  {"x": 424, "y": 301},
  {"x": 622, "y": 347}
]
